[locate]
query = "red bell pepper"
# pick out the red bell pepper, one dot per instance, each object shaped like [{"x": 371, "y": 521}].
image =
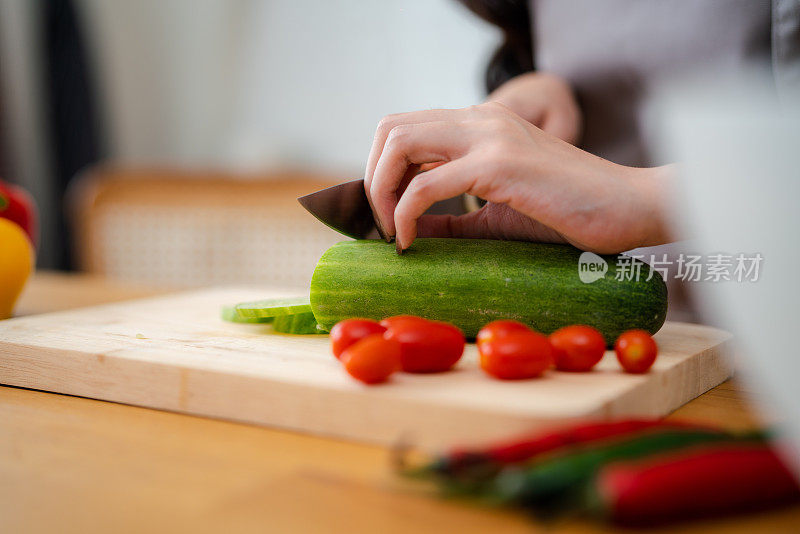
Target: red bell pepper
[{"x": 18, "y": 206}]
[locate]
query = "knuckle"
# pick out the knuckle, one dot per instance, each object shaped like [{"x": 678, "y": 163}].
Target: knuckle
[
  {"x": 386, "y": 124},
  {"x": 419, "y": 188},
  {"x": 495, "y": 108},
  {"x": 500, "y": 107},
  {"x": 422, "y": 186},
  {"x": 398, "y": 138},
  {"x": 495, "y": 157},
  {"x": 399, "y": 133}
]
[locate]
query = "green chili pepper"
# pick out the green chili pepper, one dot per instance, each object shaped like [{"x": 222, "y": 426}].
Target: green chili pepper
[{"x": 546, "y": 481}]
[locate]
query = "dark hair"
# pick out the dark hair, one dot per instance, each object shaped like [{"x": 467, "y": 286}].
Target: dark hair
[{"x": 515, "y": 55}]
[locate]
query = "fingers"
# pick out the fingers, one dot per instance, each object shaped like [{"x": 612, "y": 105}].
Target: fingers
[
  {"x": 441, "y": 183},
  {"x": 406, "y": 147},
  {"x": 390, "y": 121}
]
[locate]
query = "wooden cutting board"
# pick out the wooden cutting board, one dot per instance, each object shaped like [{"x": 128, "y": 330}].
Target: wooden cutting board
[{"x": 175, "y": 353}]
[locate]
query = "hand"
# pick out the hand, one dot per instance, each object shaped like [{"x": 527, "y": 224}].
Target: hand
[
  {"x": 545, "y": 100},
  {"x": 539, "y": 188}
]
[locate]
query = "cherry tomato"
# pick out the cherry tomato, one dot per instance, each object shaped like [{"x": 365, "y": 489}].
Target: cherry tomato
[
  {"x": 372, "y": 359},
  {"x": 397, "y": 320},
  {"x": 517, "y": 355},
  {"x": 636, "y": 351},
  {"x": 426, "y": 346},
  {"x": 577, "y": 348},
  {"x": 498, "y": 329},
  {"x": 345, "y": 333}
]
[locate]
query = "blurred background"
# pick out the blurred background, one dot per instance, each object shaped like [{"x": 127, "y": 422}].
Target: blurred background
[{"x": 153, "y": 134}]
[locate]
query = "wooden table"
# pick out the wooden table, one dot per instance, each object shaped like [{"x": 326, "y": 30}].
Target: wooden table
[{"x": 71, "y": 464}]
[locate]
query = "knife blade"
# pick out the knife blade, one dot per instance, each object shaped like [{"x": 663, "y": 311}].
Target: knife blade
[{"x": 344, "y": 208}]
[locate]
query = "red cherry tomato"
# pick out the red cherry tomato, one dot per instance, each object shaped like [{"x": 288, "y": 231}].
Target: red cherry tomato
[
  {"x": 398, "y": 320},
  {"x": 517, "y": 355},
  {"x": 498, "y": 329},
  {"x": 345, "y": 333},
  {"x": 426, "y": 346},
  {"x": 636, "y": 351},
  {"x": 372, "y": 359},
  {"x": 577, "y": 348}
]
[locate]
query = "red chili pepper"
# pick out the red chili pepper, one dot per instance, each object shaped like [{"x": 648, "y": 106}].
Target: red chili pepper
[
  {"x": 525, "y": 449},
  {"x": 701, "y": 482},
  {"x": 469, "y": 462}
]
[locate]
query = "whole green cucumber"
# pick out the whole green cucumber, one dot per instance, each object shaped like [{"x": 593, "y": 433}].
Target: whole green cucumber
[{"x": 470, "y": 282}]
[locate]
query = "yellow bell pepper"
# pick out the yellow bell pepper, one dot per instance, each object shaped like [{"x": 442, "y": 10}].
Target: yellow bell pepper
[{"x": 16, "y": 264}]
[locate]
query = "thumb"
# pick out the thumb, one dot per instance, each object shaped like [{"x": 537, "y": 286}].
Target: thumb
[
  {"x": 473, "y": 225},
  {"x": 492, "y": 221}
]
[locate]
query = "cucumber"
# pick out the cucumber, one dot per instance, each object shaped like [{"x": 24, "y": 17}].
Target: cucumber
[
  {"x": 229, "y": 313},
  {"x": 299, "y": 323},
  {"x": 470, "y": 282},
  {"x": 270, "y": 308}
]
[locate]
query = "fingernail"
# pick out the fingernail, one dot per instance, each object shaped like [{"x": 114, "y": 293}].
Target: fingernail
[{"x": 381, "y": 231}]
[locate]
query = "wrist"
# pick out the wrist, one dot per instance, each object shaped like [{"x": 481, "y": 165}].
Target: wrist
[{"x": 653, "y": 189}]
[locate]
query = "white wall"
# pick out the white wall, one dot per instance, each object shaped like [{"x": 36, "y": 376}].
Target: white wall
[{"x": 249, "y": 83}]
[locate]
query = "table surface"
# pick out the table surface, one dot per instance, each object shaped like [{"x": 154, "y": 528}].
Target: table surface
[{"x": 70, "y": 464}]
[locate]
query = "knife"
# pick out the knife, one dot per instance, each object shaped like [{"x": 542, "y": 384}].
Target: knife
[{"x": 346, "y": 209}]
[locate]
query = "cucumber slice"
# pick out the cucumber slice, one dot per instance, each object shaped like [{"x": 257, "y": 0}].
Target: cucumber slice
[
  {"x": 269, "y": 308},
  {"x": 229, "y": 313},
  {"x": 300, "y": 323}
]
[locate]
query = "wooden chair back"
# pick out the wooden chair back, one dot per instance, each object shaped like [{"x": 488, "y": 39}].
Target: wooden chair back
[{"x": 186, "y": 229}]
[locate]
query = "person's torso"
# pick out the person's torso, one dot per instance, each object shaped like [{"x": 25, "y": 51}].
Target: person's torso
[{"x": 614, "y": 52}]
